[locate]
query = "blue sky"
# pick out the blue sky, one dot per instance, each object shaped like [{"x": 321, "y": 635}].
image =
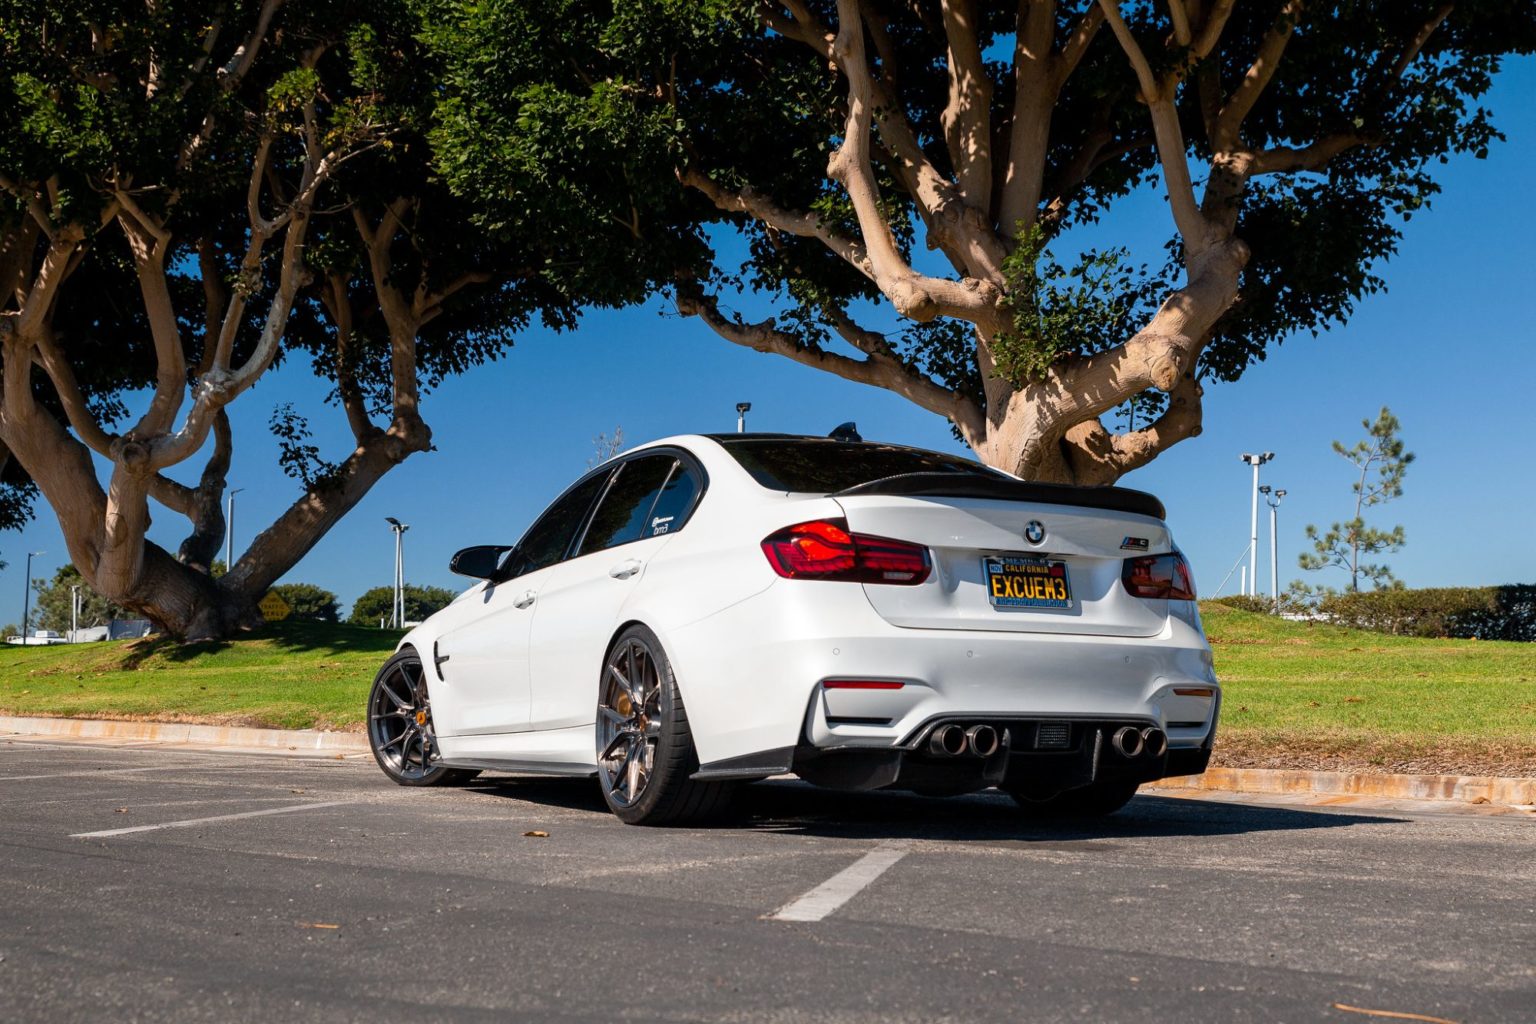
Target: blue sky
[{"x": 1448, "y": 346}]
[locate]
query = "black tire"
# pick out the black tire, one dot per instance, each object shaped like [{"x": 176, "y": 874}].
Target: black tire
[
  {"x": 1095, "y": 800},
  {"x": 400, "y": 726},
  {"x": 645, "y": 751}
]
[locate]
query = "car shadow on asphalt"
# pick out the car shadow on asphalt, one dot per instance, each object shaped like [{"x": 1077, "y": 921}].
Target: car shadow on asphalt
[{"x": 797, "y": 808}]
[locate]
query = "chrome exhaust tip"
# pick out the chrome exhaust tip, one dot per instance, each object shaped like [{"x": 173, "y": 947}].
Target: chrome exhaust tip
[
  {"x": 1127, "y": 741},
  {"x": 947, "y": 741},
  {"x": 1154, "y": 741},
  {"x": 983, "y": 739}
]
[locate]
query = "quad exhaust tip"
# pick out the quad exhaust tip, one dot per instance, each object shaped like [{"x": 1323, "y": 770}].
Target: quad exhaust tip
[
  {"x": 983, "y": 740},
  {"x": 948, "y": 741},
  {"x": 1127, "y": 741},
  {"x": 1131, "y": 742}
]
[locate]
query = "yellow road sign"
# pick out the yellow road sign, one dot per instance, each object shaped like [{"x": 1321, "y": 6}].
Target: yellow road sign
[{"x": 273, "y": 607}]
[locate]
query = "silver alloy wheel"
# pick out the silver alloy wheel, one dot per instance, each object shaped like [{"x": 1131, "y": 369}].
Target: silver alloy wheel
[
  {"x": 629, "y": 721},
  {"x": 400, "y": 722}
]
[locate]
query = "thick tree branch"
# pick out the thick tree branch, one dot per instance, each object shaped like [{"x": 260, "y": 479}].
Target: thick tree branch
[
  {"x": 1171, "y": 150},
  {"x": 1257, "y": 78},
  {"x": 805, "y": 225},
  {"x": 62, "y": 375},
  {"x": 1096, "y": 456},
  {"x": 1035, "y": 88},
  {"x": 1411, "y": 51},
  {"x": 914, "y": 295},
  {"x": 338, "y": 305},
  {"x": 879, "y": 368},
  {"x": 967, "y": 118}
]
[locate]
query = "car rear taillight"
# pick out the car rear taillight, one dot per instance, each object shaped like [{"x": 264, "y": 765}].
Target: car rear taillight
[
  {"x": 1159, "y": 576},
  {"x": 825, "y": 550}
]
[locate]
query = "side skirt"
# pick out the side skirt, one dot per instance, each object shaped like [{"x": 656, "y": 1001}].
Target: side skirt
[{"x": 569, "y": 771}]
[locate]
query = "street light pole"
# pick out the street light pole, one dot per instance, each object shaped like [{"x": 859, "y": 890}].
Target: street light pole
[
  {"x": 1253, "y": 527},
  {"x": 397, "y": 609},
  {"x": 26, "y": 595},
  {"x": 1272, "y": 499},
  {"x": 74, "y": 613},
  {"x": 742, "y": 408},
  {"x": 229, "y": 531}
]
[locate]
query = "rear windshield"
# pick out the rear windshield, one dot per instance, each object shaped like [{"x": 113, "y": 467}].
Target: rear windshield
[{"x": 816, "y": 466}]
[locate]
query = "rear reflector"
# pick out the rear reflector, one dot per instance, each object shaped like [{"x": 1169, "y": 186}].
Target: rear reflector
[
  {"x": 1194, "y": 691},
  {"x": 860, "y": 684},
  {"x": 1165, "y": 577},
  {"x": 825, "y": 550}
]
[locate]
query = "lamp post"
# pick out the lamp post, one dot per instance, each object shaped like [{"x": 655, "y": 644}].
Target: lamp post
[
  {"x": 397, "y": 611},
  {"x": 26, "y": 594},
  {"x": 1253, "y": 529},
  {"x": 74, "y": 612},
  {"x": 742, "y": 408},
  {"x": 1272, "y": 499},
  {"x": 229, "y": 531}
]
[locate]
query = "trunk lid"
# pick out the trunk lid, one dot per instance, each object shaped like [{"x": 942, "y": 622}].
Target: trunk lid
[{"x": 963, "y": 532}]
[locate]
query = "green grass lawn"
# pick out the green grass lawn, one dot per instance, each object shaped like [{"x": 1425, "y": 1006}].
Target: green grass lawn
[
  {"x": 1297, "y": 694},
  {"x": 288, "y": 675}
]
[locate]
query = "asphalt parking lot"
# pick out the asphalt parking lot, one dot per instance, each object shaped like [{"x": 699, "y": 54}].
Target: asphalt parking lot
[{"x": 162, "y": 884}]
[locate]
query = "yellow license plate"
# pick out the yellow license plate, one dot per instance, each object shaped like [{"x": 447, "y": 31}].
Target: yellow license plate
[{"x": 1015, "y": 582}]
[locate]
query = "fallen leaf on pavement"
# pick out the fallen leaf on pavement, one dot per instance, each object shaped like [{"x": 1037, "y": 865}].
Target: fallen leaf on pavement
[
  {"x": 537, "y": 834},
  {"x": 1394, "y": 1014},
  {"x": 327, "y": 927}
]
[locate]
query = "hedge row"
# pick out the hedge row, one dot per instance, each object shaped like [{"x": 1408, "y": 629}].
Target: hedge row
[{"x": 1481, "y": 613}]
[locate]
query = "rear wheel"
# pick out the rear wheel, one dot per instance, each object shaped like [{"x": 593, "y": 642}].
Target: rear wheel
[
  {"x": 1095, "y": 800},
  {"x": 645, "y": 751},
  {"x": 400, "y": 726}
]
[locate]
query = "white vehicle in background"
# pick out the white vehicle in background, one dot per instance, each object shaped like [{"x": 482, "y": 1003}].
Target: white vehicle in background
[
  {"x": 38, "y": 638},
  {"x": 709, "y": 609}
]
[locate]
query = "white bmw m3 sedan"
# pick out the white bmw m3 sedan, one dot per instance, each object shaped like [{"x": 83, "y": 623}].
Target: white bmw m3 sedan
[{"x": 712, "y": 609}]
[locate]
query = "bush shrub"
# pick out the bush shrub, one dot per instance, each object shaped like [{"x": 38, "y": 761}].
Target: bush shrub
[
  {"x": 1247, "y": 603},
  {"x": 1481, "y": 613}
]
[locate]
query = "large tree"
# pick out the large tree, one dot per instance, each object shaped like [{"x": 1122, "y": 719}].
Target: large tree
[
  {"x": 843, "y": 138},
  {"x": 193, "y": 192}
]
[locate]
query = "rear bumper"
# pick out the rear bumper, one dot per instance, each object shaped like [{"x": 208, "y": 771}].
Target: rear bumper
[{"x": 752, "y": 677}]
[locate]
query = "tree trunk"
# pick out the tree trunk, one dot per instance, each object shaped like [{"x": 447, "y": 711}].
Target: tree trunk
[
  {"x": 188, "y": 603},
  {"x": 1049, "y": 429}
]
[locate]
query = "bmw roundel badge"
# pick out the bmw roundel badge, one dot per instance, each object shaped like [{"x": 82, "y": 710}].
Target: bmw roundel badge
[{"x": 1034, "y": 531}]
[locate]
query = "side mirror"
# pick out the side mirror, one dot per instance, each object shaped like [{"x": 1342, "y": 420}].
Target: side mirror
[{"x": 479, "y": 562}]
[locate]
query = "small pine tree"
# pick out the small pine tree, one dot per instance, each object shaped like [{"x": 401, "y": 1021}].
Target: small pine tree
[{"x": 1347, "y": 545}]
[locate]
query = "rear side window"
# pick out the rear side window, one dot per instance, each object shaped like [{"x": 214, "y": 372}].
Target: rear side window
[
  {"x": 624, "y": 514},
  {"x": 816, "y": 466},
  {"x": 674, "y": 503},
  {"x": 549, "y": 538}
]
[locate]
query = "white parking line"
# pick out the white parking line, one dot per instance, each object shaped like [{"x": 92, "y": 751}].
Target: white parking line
[
  {"x": 841, "y": 887},
  {"x": 189, "y": 822},
  {"x": 97, "y": 771}
]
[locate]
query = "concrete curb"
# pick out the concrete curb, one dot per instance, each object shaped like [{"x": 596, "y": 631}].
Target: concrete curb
[
  {"x": 185, "y": 732},
  {"x": 1470, "y": 789}
]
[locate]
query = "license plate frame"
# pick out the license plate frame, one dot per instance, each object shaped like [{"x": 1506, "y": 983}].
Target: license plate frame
[{"x": 1027, "y": 583}]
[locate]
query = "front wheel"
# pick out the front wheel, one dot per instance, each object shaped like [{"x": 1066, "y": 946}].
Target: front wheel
[
  {"x": 1095, "y": 800},
  {"x": 400, "y": 726},
  {"x": 645, "y": 751}
]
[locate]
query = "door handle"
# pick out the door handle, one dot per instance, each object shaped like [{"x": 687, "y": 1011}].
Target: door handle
[
  {"x": 625, "y": 569},
  {"x": 525, "y": 599}
]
